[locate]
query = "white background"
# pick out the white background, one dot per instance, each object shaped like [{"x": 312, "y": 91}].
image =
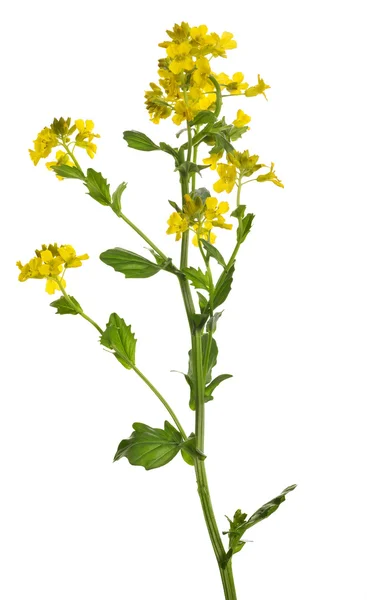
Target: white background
[{"x": 293, "y": 334}]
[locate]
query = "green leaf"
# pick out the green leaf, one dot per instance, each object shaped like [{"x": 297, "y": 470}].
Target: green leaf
[
  {"x": 200, "y": 320},
  {"x": 130, "y": 264},
  {"x": 189, "y": 167},
  {"x": 212, "y": 361},
  {"x": 212, "y": 322},
  {"x": 223, "y": 287},
  {"x": 139, "y": 141},
  {"x": 119, "y": 338},
  {"x": 203, "y": 302},
  {"x": 239, "y": 524},
  {"x": 245, "y": 228},
  {"x": 68, "y": 172},
  {"x": 169, "y": 150},
  {"x": 267, "y": 509},
  {"x": 214, "y": 252},
  {"x": 150, "y": 448},
  {"x": 116, "y": 197},
  {"x": 198, "y": 279},
  {"x": 187, "y": 458},
  {"x": 64, "y": 308},
  {"x": 237, "y": 132},
  {"x": 98, "y": 188},
  {"x": 222, "y": 143},
  {"x": 204, "y": 116},
  {"x": 213, "y": 355},
  {"x": 189, "y": 446},
  {"x": 213, "y": 385},
  {"x": 239, "y": 211}
]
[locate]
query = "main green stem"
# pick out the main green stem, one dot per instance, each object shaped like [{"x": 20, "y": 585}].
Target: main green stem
[{"x": 225, "y": 567}]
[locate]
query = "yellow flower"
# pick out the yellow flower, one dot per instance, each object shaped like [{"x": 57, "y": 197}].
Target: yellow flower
[
  {"x": 48, "y": 264},
  {"x": 223, "y": 43},
  {"x": 235, "y": 85},
  {"x": 199, "y": 34},
  {"x": 182, "y": 112},
  {"x": 246, "y": 164},
  {"x": 169, "y": 83},
  {"x": 85, "y": 136},
  {"x": 260, "y": 88},
  {"x": 177, "y": 224},
  {"x": 242, "y": 119},
  {"x": 44, "y": 143},
  {"x": 227, "y": 174},
  {"x": 52, "y": 286},
  {"x": 213, "y": 159},
  {"x": 61, "y": 159},
  {"x": 30, "y": 270},
  {"x": 202, "y": 72},
  {"x": 271, "y": 176},
  {"x": 51, "y": 266},
  {"x": 214, "y": 214},
  {"x": 180, "y": 57},
  {"x": 70, "y": 258},
  {"x": 203, "y": 233},
  {"x": 156, "y": 104}
]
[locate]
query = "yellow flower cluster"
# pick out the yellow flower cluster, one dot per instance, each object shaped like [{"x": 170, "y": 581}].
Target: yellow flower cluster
[
  {"x": 185, "y": 86},
  {"x": 200, "y": 217},
  {"x": 60, "y": 133},
  {"x": 239, "y": 165},
  {"x": 49, "y": 263}
]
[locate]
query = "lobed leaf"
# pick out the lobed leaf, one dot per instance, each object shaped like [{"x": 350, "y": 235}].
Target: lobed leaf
[
  {"x": 64, "y": 308},
  {"x": 198, "y": 279},
  {"x": 119, "y": 338},
  {"x": 149, "y": 447},
  {"x": 97, "y": 187}
]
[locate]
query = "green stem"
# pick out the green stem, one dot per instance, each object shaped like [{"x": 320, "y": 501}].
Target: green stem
[
  {"x": 134, "y": 367},
  {"x": 72, "y": 156},
  {"x": 225, "y": 567},
  {"x": 238, "y": 201},
  {"x": 142, "y": 235},
  {"x": 218, "y": 91},
  {"x": 76, "y": 307},
  {"x": 160, "y": 397}
]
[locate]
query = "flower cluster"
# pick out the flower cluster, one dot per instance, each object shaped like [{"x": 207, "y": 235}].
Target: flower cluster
[
  {"x": 60, "y": 133},
  {"x": 239, "y": 165},
  {"x": 50, "y": 263},
  {"x": 186, "y": 84},
  {"x": 200, "y": 216}
]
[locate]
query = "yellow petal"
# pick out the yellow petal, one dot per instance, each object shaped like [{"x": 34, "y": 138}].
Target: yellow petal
[
  {"x": 46, "y": 255},
  {"x": 211, "y": 203}
]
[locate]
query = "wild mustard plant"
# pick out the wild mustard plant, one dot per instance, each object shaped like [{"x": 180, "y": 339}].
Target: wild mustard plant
[{"x": 191, "y": 93}]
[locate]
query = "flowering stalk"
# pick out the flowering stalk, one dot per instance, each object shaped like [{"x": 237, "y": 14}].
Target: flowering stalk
[{"x": 189, "y": 92}]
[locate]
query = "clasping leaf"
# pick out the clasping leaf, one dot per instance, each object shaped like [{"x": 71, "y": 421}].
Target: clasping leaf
[
  {"x": 240, "y": 523},
  {"x": 130, "y": 264},
  {"x": 150, "y": 448}
]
